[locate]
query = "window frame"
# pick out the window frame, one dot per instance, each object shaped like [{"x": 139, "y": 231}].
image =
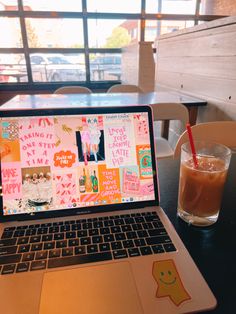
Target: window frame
[{"x": 85, "y": 16}]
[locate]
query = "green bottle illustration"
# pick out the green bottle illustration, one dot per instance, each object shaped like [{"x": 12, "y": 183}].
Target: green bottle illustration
[{"x": 95, "y": 182}]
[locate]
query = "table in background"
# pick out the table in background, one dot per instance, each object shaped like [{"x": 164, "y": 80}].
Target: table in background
[
  {"x": 212, "y": 248},
  {"x": 111, "y": 99}
]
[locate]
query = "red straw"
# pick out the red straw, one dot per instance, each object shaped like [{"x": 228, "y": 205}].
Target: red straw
[{"x": 190, "y": 136}]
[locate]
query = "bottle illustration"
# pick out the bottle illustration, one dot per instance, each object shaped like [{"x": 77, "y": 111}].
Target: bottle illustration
[
  {"x": 95, "y": 182},
  {"x": 88, "y": 183},
  {"x": 82, "y": 181}
]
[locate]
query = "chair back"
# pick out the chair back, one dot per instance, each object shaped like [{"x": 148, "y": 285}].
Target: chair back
[
  {"x": 170, "y": 111},
  {"x": 73, "y": 90},
  {"x": 124, "y": 88},
  {"x": 218, "y": 131}
]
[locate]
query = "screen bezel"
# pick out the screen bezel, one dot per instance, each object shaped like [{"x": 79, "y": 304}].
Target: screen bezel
[{"x": 91, "y": 209}]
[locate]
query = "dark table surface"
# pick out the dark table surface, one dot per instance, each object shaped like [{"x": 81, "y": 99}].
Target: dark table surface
[{"x": 212, "y": 248}]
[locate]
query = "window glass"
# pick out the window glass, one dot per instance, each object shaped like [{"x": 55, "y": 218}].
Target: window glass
[
  {"x": 10, "y": 34},
  {"x": 8, "y": 5},
  {"x": 156, "y": 28},
  {"x": 112, "y": 33},
  {"x": 171, "y": 6},
  {"x": 12, "y": 68},
  {"x": 114, "y": 6},
  {"x": 104, "y": 66},
  {"x": 209, "y": 7},
  {"x": 52, "y": 5},
  {"x": 55, "y": 33},
  {"x": 56, "y": 67}
]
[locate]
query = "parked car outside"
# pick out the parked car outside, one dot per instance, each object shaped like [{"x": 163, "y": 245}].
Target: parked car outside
[
  {"x": 54, "y": 68},
  {"x": 106, "y": 67}
]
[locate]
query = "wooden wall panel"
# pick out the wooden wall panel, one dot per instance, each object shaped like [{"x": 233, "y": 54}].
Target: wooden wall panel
[{"x": 201, "y": 61}]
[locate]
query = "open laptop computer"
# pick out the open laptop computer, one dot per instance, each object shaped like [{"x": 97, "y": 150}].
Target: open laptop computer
[{"x": 81, "y": 228}]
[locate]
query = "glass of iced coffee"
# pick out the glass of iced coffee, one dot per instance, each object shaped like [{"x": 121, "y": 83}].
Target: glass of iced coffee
[{"x": 201, "y": 184}]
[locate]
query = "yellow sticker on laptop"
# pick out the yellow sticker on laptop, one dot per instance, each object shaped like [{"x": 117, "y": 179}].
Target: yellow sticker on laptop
[{"x": 169, "y": 282}]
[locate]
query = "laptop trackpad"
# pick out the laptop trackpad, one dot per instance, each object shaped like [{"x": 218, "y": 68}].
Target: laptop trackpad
[{"x": 102, "y": 289}]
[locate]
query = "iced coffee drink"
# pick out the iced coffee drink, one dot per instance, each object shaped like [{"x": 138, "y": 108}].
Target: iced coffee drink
[{"x": 201, "y": 187}]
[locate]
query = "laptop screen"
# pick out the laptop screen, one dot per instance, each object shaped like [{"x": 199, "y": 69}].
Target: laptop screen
[{"x": 78, "y": 161}]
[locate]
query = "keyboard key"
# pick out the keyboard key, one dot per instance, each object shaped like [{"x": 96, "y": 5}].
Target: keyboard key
[
  {"x": 116, "y": 229},
  {"x": 80, "y": 250},
  {"x": 131, "y": 235},
  {"x": 36, "y": 247},
  {"x": 145, "y": 250},
  {"x": 79, "y": 259},
  {"x": 65, "y": 228},
  {"x": 8, "y": 269},
  {"x": 19, "y": 233},
  {"x": 70, "y": 235},
  {"x": 24, "y": 248},
  {"x": 133, "y": 252},
  {"x": 139, "y": 219},
  {"x": 126, "y": 228},
  {"x": 82, "y": 233},
  {"x": 109, "y": 223},
  {"x": 67, "y": 251},
  {"x": 8, "y": 242},
  {"x": 30, "y": 232},
  {"x": 98, "y": 224},
  {"x": 54, "y": 229},
  {"x": 128, "y": 244},
  {"x": 92, "y": 248},
  {"x": 120, "y": 236},
  {"x": 9, "y": 228},
  {"x": 104, "y": 230},
  {"x": 73, "y": 242},
  {"x": 120, "y": 254},
  {"x": 7, "y": 235},
  {"x": 37, "y": 265},
  {"x": 169, "y": 247},
  {"x": 22, "y": 267},
  {"x": 158, "y": 248},
  {"x": 7, "y": 250},
  {"x": 142, "y": 233},
  {"x": 93, "y": 232},
  {"x": 49, "y": 245},
  {"x": 54, "y": 253},
  {"x": 41, "y": 255},
  {"x": 61, "y": 243},
  {"x": 23, "y": 240},
  {"x": 84, "y": 241},
  {"x": 157, "y": 232},
  {"x": 47, "y": 237},
  {"x": 109, "y": 238},
  {"x": 139, "y": 242},
  {"x": 116, "y": 245},
  {"x": 28, "y": 256},
  {"x": 58, "y": 236},
  {"x": 87, "y": 225},
  {"x": 137, "y": 227},
  {"x": 104, "y": 247},
  {"x": 42, "y": 231},
  {"x": 97, "y": 239},
  {"x": 158, "y": 240},
  {"x": 76, "y": 227},
  {"x": 35, "y": 239}
]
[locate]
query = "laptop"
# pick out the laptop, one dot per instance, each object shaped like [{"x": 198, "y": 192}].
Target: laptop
[{"x": 81, "y": 228}]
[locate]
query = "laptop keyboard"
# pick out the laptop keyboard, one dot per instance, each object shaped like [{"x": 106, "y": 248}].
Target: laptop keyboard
[{"x": 65, "y": 243}]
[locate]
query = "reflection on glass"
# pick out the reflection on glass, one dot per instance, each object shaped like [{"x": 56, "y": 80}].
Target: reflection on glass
[
  {"x": 171, "y": 6},
  {"x": 156, "y": 28},
  {"x": 55, "y": 33},
  {"x": 114, "y": 6},
  {"x": 10, "y": 34},
  {"x": 8, "y": 5},
  {"x": 52, "y": 5},
  {"x": 104, "y": 66},
  {"x": 12, "y": 68},
  {"x": 112, "y": 33},
  {"x": 57, "y": 67}
]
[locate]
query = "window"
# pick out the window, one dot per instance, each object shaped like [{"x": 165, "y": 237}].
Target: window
[{"x": 47, "y": 42}]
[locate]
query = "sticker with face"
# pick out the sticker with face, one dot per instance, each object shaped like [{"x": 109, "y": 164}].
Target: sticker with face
[{"x": 169, "y": 282}]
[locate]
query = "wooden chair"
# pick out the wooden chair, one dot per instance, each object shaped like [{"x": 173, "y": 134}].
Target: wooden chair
[
  {"x": 124, "y": 88},
  {"x": 73, "y": 90},
  {"x": 223, "y": 132},
  {"x": 168, "y": 111}
]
